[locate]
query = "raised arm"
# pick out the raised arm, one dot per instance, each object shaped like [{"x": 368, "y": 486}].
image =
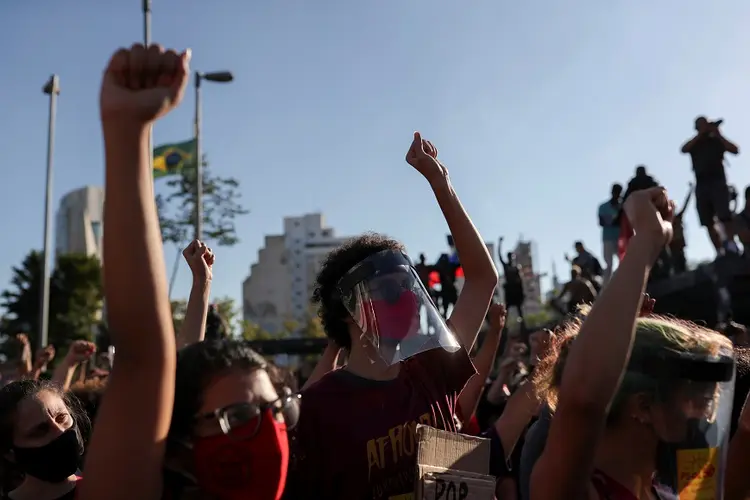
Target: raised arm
[
  {"x": 500, "y": 252},
  {"x": 688, "y": 146},
  {"x": 685, "y": 204},
  {"x": 200, "y": 258},
  {"x": 468, "y": 400},
  {"x": 599, "y": 355},
  {"x": 139, "y": 86},
  {"x": 479, "y": 270}
]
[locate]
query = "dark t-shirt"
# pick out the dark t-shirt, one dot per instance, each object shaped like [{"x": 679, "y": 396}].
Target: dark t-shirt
[
  {"x": 356, "y": 437},
  {"x": 708, "y": 159}
]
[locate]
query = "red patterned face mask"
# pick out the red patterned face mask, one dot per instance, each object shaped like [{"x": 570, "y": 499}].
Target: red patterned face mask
[{"x": 249, "y": 462}]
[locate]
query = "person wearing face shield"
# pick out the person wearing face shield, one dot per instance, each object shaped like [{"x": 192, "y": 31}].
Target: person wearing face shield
[
  {"x": 643, "y": 411},
  {"x": 356, "y": 437},
  {"x": 228, "y": 437},
  {"x": 673, "y": 409}
]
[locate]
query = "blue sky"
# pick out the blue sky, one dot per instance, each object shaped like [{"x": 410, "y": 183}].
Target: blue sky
[{"x": 536, "y": 108}]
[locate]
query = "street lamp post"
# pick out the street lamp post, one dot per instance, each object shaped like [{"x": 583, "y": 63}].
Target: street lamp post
[
  {"x": 146, "y": 43},
  {"x": 52, "y": 89},
  {"x": 217, "y": 77}
]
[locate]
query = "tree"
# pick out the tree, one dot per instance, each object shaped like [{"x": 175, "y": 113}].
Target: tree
[
  {"x": 224, "y": 305},
  {"x": 76, "y": 298},
  {"x": 221, "y": 206}
]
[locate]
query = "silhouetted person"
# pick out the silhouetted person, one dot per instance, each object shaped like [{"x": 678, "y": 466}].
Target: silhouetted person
[
  {"x": 608, "y": 212},
  {"x": 590, "y": 267},
  {"x": 706, "y": 152},
  {"x": 677, "y": 246},
  {"x": 513, "y": 286},
  {"x": 579, "y": 289},
  {"x": 742, "y": 223},
  {"x": 448, "y": 293}
]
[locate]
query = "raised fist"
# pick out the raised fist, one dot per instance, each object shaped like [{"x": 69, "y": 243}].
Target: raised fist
[
  {"x": 80, "y": 351},
  {"x": 422, "y": 155},
  {"x": 23, "y": 339},
  {"x": 44, "y": 356},
  {"x": 650, "y": 212},
  {"x": 201, "y": 259},
  {"x": 647, "y": 306},
  {"x": 141, "y": 85}
]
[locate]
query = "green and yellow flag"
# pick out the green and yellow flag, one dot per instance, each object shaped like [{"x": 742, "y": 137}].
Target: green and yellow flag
[{"x": 170, "y": 159}]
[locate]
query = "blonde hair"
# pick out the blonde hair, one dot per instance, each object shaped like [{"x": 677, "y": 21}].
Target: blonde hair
[{"x": 654, "y": 334}]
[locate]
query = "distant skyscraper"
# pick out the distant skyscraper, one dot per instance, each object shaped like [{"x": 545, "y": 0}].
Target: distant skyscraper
[
  {"x": 532, "y": 286},
  {"x": 78, "y": 227},
  {"x": 280, "y": 285}
]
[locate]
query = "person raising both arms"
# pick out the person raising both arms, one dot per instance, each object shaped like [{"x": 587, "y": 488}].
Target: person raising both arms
[{"x": 399, "y": 373}]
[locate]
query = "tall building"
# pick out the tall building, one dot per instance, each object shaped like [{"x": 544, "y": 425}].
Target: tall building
[
  {"x": 525, "y": 255},
  {"x": 78, "y": 225},
  {"x": 281, "y": 282}
]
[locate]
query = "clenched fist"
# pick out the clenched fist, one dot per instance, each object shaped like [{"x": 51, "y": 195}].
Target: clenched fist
[
  {"x": 201, "y": 259},
  {"x": 142, "y": 84},
  {"x": 422, "y": 155},
  {"x": 650, "y": 212},
  {"x": 80, "y": 351}
]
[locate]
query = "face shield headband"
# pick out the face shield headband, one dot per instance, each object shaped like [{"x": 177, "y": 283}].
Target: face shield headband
[
  {"x": 696, "y": 403},
  {"x": 389, "y": 304}
]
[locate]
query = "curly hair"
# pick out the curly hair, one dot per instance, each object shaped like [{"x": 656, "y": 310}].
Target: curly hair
[
  {"x": 653, "y": 334},
  {"x": 331, "y": 310},
  {"x": 197, "y": 365}
]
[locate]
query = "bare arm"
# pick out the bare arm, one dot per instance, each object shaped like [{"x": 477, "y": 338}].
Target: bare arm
[
  {"x": 133, "y": 419},
  {"x": 729, "y": 145},
  {"x": 596, "y": 362},
  {"x": 686, "y": 202},
  {"x": 479, "y": 270},
  {"x": 194, "y": 327},
  {"x": 483, "y": 361},
  {"x": 688, "y": 146},
  {"x": 200, "y": 258},
  {"x": 522, "y": 406},
  {"x": 736, "y": 478}
]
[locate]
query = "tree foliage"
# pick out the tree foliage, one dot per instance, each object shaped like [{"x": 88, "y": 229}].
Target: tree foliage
[
  {"x": 225, "y": 307},
  {"x": 310, "y": 328},
  {"x": 221, "y": 206},
  {"x": 76, "y": 298}
]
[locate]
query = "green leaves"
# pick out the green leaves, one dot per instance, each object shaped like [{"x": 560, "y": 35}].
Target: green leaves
[{"x": 76, "y": 298}]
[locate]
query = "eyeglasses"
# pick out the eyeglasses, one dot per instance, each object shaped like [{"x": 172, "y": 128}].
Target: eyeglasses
[{"x": 237, "y": 415}]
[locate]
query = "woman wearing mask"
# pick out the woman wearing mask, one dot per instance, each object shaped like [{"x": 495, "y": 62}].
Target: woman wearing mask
[
  {"x": 40, "y": 434},
  {"x": 641, "y": 406},
  {"x": 228, "y": 437}
]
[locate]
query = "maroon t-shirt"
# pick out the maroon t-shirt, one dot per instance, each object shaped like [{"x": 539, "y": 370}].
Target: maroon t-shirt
[{"x": 356, "y": 437}]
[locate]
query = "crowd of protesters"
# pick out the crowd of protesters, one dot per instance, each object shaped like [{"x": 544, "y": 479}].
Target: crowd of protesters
[{"x": 611, "y": 404}]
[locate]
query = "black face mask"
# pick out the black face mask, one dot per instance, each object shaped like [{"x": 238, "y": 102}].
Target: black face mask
[
  {"x": 53, "y": 462},
  {"x": 666, "y": 463}
]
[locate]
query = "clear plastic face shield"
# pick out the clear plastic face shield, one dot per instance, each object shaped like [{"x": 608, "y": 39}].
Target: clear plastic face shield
[
  {"x": 691, "y": 415},
  {"x": 388, "y": 302}
]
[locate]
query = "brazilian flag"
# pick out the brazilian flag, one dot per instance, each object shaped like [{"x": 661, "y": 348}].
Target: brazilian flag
[{"x": 170, "y": 159}]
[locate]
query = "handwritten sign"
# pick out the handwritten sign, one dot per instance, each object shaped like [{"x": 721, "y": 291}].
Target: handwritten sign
[
  {"x": 696, "y": 473},
  {"x": 455, "y": 486}
]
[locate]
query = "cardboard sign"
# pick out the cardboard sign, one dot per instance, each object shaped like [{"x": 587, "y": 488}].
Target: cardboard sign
[
  {"x": 452, "y": 466},
  {"x": 696, "y": 473}
]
